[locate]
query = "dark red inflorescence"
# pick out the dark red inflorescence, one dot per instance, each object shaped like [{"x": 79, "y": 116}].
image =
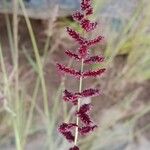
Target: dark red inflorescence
[{"x": 82, "y": 54}]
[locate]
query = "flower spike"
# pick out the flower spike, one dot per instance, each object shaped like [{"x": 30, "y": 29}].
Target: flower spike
[{"x": 84, "y": 124}]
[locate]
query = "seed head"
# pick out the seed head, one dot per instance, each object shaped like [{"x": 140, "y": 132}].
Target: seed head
[{"x": 82, "y": 54}]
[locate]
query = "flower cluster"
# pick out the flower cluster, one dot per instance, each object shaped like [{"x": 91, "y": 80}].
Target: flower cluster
[{"x": 86, "y": 125}]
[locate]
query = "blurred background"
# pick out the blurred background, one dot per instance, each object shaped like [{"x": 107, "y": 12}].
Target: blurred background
[{"x": 33, "y": 39}]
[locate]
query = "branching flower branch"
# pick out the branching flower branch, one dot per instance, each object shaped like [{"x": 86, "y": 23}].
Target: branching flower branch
[{"x": 84, "y": 124}]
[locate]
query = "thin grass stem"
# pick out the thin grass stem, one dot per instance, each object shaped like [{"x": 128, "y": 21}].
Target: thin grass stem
[
  {"x": 40, "y": 67},
  {"x": 78, "y": 106}
]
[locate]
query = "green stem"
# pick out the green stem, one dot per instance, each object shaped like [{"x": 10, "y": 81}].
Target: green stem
[
  {"x": 40, "y": 68},
  {"x": 16, "y": 121}
]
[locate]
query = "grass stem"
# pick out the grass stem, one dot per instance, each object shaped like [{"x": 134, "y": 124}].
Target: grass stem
[{"x": 78, "y": 106}]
